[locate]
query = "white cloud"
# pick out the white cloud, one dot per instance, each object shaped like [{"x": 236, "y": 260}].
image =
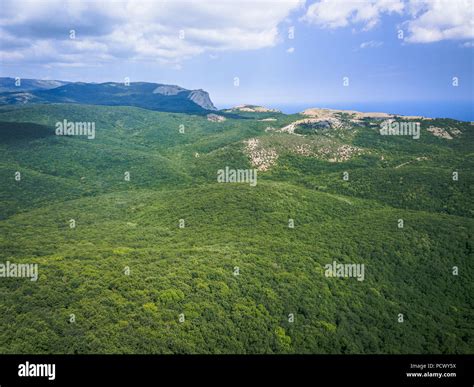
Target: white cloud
[
  {"x": 290, "y": 50},
  {"x": 341, "y": 13},
  {"x": 137, "y": 30},
  {"x": 428, "y": 20},
  {"x": 435, "y": 20}
]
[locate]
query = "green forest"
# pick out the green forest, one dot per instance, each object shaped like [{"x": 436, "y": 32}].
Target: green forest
[{"x": 163, "y": 259}]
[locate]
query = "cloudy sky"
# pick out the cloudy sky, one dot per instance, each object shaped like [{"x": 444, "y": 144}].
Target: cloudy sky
[{"x": 282, "y": 52}]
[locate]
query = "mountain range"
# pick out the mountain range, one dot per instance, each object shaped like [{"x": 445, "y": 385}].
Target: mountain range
[{"x": 153, "y": 96}]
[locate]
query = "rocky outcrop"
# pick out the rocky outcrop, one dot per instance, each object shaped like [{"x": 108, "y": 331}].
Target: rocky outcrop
[
  {"x": 215, "y": 118},
  {"x": 253, "y": 109},
  {"x": 201, "y": 98},
  {"x": 168, "y": 90}
]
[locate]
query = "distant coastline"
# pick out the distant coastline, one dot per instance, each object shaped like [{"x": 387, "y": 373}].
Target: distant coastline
[{"x": 458, "y": 110}]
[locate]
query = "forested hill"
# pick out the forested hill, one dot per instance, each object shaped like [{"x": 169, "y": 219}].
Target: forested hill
[
  {"x": 147, "y": 95},
  {"x": 140, "y": 249}
]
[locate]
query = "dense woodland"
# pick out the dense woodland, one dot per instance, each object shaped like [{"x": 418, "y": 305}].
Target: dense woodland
[{"x": 235, "y": 278}]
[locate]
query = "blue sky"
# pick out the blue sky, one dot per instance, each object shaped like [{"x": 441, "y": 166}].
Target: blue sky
[{"x": 207, "y": 44}]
